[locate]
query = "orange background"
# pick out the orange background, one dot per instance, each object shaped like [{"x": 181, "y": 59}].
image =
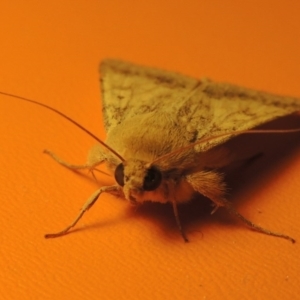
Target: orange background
[{"x": 50, "y": 52}]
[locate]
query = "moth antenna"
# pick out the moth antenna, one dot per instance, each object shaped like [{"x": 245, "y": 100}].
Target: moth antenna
[
  {"x": 67, "y": 118},
  {"x": 235, "y": 133}
]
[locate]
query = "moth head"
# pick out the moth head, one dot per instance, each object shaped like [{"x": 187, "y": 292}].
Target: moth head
[{"x": 137, "y": 177}]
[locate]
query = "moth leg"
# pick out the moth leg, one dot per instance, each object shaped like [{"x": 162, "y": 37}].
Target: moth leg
[
  {"x": 246, "y": 162},
  {"x": 236, "y": 165},
  {"x": 211, "y": 185},
  {"x": 175, "y": 209},
  {"x": 89, "y": 203},
  {"x": 258, "y": 228},
  {"x": 214, "y": 209},
  {"x": 253, "y": 158},
  {"x": 65, "y": 164}
]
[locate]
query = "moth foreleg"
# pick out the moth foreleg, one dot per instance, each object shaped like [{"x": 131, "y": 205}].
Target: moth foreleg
[
  {"x": 66, "y": 164},
  {"x": 211, "y": 185},
  {"x": 89, "y": 203}
]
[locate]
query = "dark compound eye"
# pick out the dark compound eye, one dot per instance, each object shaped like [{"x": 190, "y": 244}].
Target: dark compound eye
[
  {"x": 119, "y": 174},
  {"x": 152, "y": 179}
]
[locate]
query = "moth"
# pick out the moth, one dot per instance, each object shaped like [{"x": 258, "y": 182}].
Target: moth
[{"x": 167, "y": 133}]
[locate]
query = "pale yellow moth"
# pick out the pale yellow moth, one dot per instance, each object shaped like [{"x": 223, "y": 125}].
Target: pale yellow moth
[{"x": 167, "y": 133}]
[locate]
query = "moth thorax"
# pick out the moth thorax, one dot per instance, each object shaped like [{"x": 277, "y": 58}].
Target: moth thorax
[{"x": 138, "y": 176}]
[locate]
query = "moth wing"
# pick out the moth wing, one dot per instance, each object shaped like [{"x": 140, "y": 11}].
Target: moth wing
[
  {"x": 200, "y": 108},
  {"x": 129, "y": 90},
  {"x": 220, "y": 108}
]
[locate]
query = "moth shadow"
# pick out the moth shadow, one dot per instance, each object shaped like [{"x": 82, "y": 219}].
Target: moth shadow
[
  {"x": 276, "y": 151},
  {"x": 162, "y": 220}
]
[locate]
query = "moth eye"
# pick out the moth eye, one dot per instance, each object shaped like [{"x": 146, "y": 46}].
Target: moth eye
[
  {"x": 152, "y": 179},
  {"x": 119, "y": 174}
]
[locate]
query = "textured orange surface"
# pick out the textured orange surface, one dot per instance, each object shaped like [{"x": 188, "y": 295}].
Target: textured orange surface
[{"x": 50, "y": 52}]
